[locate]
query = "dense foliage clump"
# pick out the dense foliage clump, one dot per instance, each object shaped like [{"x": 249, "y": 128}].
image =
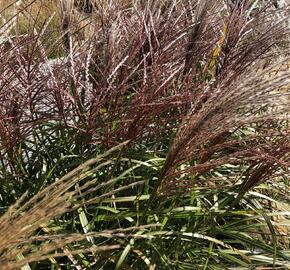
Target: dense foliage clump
[{"x": 144, "y": 135}]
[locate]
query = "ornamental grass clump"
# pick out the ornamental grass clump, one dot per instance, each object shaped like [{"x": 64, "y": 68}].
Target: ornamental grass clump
[{"x": 199, "y": 93}]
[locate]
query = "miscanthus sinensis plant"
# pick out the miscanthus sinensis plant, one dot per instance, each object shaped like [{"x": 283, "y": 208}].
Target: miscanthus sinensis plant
[{"x": 193, "y": 96}]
